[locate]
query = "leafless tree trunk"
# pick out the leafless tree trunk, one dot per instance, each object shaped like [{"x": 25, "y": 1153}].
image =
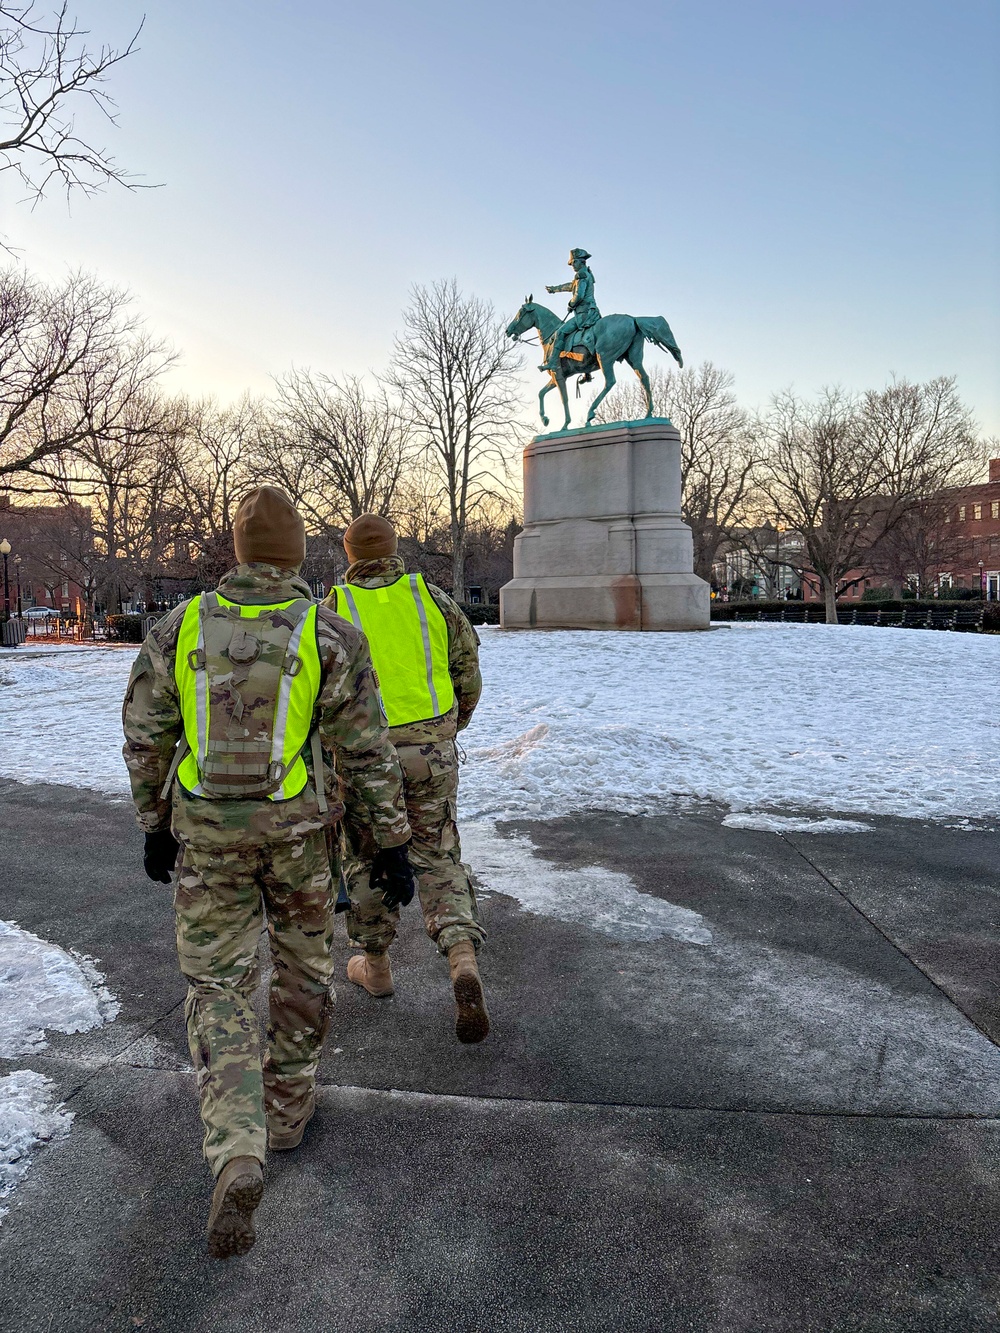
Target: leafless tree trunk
[
  {"x": 454, "y": 370},
  {"x": 719, "y": 455},
  {"x": 47, "y": 72}
]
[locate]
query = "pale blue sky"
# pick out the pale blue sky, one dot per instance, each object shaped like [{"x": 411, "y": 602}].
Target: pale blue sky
[{"x": 809, "y": 192}]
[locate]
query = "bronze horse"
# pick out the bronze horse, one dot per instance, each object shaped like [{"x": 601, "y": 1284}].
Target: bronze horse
[{"x": 614, "y": 338}]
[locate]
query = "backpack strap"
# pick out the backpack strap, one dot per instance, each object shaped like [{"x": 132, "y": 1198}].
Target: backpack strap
[
  {"x": 317, "y": 758},
  {"x": 182, "y": 748}
]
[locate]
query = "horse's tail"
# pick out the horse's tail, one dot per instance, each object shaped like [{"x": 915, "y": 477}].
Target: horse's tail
[{"x": 655, "y": 329}]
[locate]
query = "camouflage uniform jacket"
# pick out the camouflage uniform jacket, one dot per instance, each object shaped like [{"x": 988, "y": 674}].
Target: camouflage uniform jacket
[
  {"x": 463, "y": 654},
  {"x": 348, "y": 714}
]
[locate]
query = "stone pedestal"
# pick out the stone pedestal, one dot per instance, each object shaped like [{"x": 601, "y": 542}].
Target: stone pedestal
[{"x": 603, "y": 545}]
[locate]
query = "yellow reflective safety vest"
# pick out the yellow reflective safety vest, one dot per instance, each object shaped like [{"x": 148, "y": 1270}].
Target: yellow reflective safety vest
[
  {"x": 248, "y": 678},
  {"x": 408, "y": 638}
]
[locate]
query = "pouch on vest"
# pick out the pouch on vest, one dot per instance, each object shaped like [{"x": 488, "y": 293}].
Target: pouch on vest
[{"x": 249, "y": 668}]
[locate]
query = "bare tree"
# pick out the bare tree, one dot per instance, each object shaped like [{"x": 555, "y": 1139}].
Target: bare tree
[
  {"x": 920, "y": 546},
  {"x": 128, "y": 478},
  {"x": 72, "y": 358},
  {"x": 719, "y": 454},
  {"x": 352, "y": 441},
  {"x": 211, "y": 470},
  {"x": 47, "y": 71},
  {"x": 454, "y": 370},
  {"x": 844, "y": 472}
]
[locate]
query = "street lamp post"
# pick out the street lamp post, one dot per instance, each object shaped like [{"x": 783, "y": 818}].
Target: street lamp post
[
  {"x": 982, "y": 580},
  {"x": 17, "y": 577},
  {"x": 5, "y": 552}
]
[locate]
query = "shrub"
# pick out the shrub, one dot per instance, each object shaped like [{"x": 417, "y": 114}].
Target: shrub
[
  {"x": 125, "y": 629},
  {"x": 479, "y": 614}
]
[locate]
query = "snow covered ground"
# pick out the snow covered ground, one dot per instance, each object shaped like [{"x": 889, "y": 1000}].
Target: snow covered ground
[
  {"x": 42, "y": 989},
  {"x": 760, "y": 718}
]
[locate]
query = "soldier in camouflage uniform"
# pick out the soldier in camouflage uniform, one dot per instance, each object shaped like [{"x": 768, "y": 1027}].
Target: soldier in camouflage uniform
[
  {"x": 427, "y": 754},
  {"x": 253, "y": 859}
]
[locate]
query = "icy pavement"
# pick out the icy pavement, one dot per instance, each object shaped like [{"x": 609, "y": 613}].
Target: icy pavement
[
  {"x": 605, "y": 900},
  {"x": 846, "y": 719},
  {"x": 28, "y": 1117},
  {"x": 42, "y": 988}
]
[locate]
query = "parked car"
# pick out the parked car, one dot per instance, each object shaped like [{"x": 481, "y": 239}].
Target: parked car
[{"x": 39, "y": 612}]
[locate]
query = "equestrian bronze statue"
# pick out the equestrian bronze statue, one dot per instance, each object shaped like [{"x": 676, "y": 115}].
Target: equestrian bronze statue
[{"x": 587, "y": 341}]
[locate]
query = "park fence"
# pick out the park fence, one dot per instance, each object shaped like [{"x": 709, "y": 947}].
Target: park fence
[{"x": 56, "y": 628}]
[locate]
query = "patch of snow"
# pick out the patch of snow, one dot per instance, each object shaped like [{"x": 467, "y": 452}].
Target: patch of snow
[
  {"x": 28, "y": 1117},
  {"x": 807, "y": 717},
  {"x": 602, "y": 899},
  {"x": 790, "y": 824},
  {"x": 60, "y": 716},
  {"x": 44, "y": 988},
  {"x": 812, "y": 717}
]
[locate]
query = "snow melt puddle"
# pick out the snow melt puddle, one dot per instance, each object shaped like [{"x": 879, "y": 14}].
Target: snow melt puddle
[
  {"x": 42, "y": 988},
  {"x": 604, "y": 900},
  {"x": 790, "y": 824}
]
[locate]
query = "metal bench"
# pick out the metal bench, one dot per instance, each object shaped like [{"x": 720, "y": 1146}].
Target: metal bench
[{"x": 970, "y": 619}]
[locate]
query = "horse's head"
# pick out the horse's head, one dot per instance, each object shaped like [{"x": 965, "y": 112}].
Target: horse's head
[{"x": 524, "y": 319}]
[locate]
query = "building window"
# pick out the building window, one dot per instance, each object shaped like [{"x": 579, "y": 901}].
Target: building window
[
  {"x": 995, "y": 509},
  {"x": 947, "y": 515},
  {"x": 977, "y": 511},
  {"x": 961, "y": 513}
]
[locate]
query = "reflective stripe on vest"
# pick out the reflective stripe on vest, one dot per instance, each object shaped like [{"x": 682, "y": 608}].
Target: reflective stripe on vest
[
  {"x": 294, "y": 706},
  {"x": 408, "y": 638}
]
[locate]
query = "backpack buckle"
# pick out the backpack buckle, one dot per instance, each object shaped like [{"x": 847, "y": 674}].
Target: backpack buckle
[
  {"x": 196, "y": 659},
  {"x": 292, "y": 665}
]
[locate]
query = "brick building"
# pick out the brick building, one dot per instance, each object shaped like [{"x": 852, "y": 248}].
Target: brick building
[
  {"x": 48, "y": 554},
  {"x": 975, "y": 513}
]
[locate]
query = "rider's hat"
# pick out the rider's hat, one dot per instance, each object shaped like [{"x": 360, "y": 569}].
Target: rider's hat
[{"x": 578, "y": 254}]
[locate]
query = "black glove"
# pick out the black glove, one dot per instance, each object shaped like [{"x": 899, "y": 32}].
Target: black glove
[
  {"x": 392, "y": 874},
  {"x": 160, "y": 855}
]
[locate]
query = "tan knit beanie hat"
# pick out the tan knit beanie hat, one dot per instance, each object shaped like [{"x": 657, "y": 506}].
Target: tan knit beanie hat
[
  {"x": 369, "y": 538},
  {"x": 268, "y": 530}
]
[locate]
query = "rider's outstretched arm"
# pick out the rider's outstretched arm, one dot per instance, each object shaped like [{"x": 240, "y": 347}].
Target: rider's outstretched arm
[{"x": 563, "y": 287}]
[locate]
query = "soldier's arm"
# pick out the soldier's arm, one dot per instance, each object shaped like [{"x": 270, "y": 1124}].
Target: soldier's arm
[
  {"x": 352, "y": 726},
  {"x": 463, "y": 656},
  {"x": 151, "y": 719},
  {"x": 563, "y": 287}
]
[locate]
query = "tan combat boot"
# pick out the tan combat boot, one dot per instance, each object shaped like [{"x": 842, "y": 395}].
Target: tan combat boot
[
  {"x": 238, "y": 1191},
  {"x": 472, "y": 1022},
  {"x": 282, "y": 1137},
  {"x": 373, "y": 972}
]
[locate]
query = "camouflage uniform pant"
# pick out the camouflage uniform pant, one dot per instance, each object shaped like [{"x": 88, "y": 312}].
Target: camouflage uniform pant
[
  {"x": 220, "y": 902},
  {"x": 447, "y": 898}
]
